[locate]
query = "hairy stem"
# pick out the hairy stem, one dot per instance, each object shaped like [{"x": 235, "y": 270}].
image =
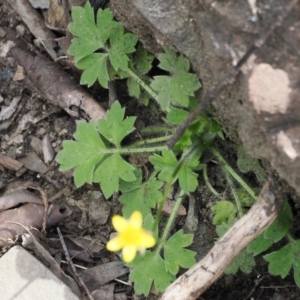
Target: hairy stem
[
  {"x": 170, "y": 222},
  {"x": 151, "y": 141},
  {"x": 234, "y": 193},
  {"x": 142, "y": 84},
  {"x": 233, "y": 173},
  {"x": 208, "y": 183}
]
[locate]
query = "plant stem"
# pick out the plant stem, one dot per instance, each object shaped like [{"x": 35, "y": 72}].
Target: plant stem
[
  {"x": 208, "y": 183},
  {"x": 151, "y": 141},
  {"x": 233, "y": 173},
  {"x": 170, "y": 222},
  {"x": 137, "y": 150},
  {"x": 290, "y": 238},
  {"x": 142, "y": 84},
  {"x": 235, "y": 196},
  {"x": 157, "y": 129}
]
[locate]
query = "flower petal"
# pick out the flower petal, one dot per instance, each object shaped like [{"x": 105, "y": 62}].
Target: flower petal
[
  {"x": 119, "y": 223},
  {"x": 115, "y": 244},
  {"x": 136, "y": 219},
  {"x": 147, "y": 240},
  {"x": 129, "y": 253}
]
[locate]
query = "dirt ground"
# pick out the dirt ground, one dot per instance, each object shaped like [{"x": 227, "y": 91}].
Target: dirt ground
[{"x": 35, "y": 120}]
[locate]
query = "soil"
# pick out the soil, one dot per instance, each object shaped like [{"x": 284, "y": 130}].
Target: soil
[{"x": 37, "y": 115}]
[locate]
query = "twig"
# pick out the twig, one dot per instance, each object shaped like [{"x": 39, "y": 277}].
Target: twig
[
  {"x": 231, "y": 75},
  {"x": 257, "y": 282},
  {"x": 196, "y": 280},
  {"x": 70, "y": 262}
]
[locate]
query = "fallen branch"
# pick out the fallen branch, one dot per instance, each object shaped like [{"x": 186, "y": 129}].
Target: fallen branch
[
  {"x": 201, "y": 276},
  {"x": 36, "y": 25},
  {"x": 54, "y": 84}
]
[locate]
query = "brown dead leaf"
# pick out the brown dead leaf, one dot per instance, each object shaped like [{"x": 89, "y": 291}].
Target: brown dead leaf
[
  {"x": 30, "y": 215},
  {"x": 105, "y": 292},
  {"x": 10, "y": 163},
  {"x": 102, "y": 274},
  {"x": 17, "y": 197}
]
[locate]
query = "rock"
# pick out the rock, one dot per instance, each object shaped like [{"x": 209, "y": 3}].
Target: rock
[{"x": 22, "y": 276}]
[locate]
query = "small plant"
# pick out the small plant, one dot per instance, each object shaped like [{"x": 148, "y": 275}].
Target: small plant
[{"x": 104, "y": 51}]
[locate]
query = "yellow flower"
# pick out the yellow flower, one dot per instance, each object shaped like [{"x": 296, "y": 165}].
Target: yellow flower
[{"x": 132, "y": 237}]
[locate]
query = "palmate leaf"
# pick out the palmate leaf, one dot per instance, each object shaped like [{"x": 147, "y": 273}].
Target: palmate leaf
[
  {"x": 89, "y": 36},
  {"x": 175, "y": 255},
  {"x": 92, "y": 159},
  {"x": 275, "y": 232},
  {"x": 115, "y": 128},
  {"x": 105, "y": 36},
  {"x": 140, "y": 196},
  {"x": 180, "y": 85},
  {"x": 149, "y": 269},
  {"x": 281, "y": 261},
  {"x": 167, "y": 165},
  {"x": 245, "y": 260}
]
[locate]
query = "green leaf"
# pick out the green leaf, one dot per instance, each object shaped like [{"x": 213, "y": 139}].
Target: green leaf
[
  {"x": 180, "y": 85},
  {"x": 88, "y": 36},
  {"x": 120, "y": 45},
  {"x": 223, "y": 210},
  {"x": 84, "y": 153},
  {"x": 174, "y": 253},
  {"x": 92, "y": 159},
  {"x": 244, "y": 261},
  {"x": 91, "y": 36},
  {"x": 114, "y": 128},
  {"x": 275, "y": 232},
  {"x": 223, "y": 228},
  {"x": 150, "y": 269},
  {"x": 110, "y": 171},
  {"x": 177, "y": 116},
  {"x": 141, "y": 64},
  {"x": 168, "y": 165},
  {"x": 281, "y": 261},
  {"x": 140, "y": 196},
  {"x": 94, "y": 67}
]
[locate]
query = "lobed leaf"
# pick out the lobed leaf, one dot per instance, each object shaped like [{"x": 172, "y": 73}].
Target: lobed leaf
[
  {"x": 90, "y": 156},
  {"x": 140, "y": 196},
  {"x": 174, "y": 253},
  {"x": 180, "y": 85},
  {"x": 168, "y": 166},
  {"x": 275, "y": 232},
  {"x": 115, "y": 128},
  {"x": 281, "y": 261},
  {"x": 149, "y": 269},
  {"x": 223, "y": 210}
]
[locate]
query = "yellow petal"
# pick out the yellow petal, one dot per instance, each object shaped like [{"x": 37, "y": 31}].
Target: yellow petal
[
  {"x": 147, "y": 240},
  {"x": 115, "y": 244},
  {"x": 119, "y": 223},
  {"x": 129, "y": 253},
  {"x": 136, "y": 219}
]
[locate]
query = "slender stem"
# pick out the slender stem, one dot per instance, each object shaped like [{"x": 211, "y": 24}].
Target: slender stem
[
  {"x": 233, "y": 173},
  {"x": 136, "y": 150},
  {"x": 208, "y": 183},
  {"x": 290, "y": 238},
  {"x": 170, "y": 222},
  {"x": 234, "y": 193},
  {"x": 156, "y": 129},
  {"x": 162, "y": 202},
  {"x": 142, "y": 84},
  {"x": 151, "y": 141}
]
